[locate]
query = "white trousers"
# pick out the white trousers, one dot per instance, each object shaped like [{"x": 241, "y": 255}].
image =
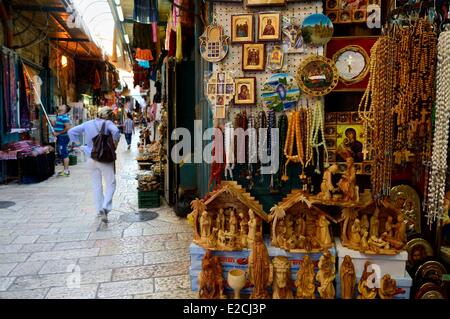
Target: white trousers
[{"x": 98, "y": 172}]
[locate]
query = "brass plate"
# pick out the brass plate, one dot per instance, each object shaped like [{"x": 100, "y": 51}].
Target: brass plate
[{"x": 418, "y": 249}]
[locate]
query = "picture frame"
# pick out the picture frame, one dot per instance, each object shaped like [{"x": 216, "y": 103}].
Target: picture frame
[
  {"x": 262, "y": 3},
  {"x": 253, "y": 56},
  {"x": 245, "y": 93},
  {"x": 317, "y": 75},
  {"x": 242, "y": 28},
  {"x": 275, "y": 58},
  {"x": 269, "y": 26},
  {"x": 348, "y": 11}
]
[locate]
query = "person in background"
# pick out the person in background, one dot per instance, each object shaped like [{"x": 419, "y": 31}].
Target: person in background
[
  {"x": 60, "y": 127},
  {"x": 128, "y": 129},
  {"x": 99, "y": 171}
]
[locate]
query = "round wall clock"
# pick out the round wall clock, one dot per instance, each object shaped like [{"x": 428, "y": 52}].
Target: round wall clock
[
  {"x": 280, "y": 92},
  {"x": 317, "y": 75},
  {"x": 352, "y": 63}
]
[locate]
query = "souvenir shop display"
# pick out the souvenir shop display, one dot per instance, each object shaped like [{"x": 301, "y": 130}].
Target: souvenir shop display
[
  {"x": 317, "y": 75},
  {"x": 214, "y": 44},
  {"x": 388, "y": 288},
  {"x": 305, "y": 280},
  {"x": 317, "y": 29},
  {"x": 242, "y": 28},
  {"x": 260, "y": 3},
  {"x": 366, "y": 288},
  {"x": 269, "y": 26},
  {"x": 348, "y": 278},
  {"x": 325, "y": 276},
  {"x": 220, "y": 91},
  {"x": 259, "y": 269},
  {"x": 280, "y": 92}
]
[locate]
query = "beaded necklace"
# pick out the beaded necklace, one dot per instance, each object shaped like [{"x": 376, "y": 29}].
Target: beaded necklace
[
  {"x": 317, "y": 127},
  {"x": 436, "y": 185},
  {"x": 294, "y": 136},
  {"x": 282, "y": 125}
]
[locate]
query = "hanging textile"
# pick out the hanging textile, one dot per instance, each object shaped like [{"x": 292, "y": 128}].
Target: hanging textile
[
  {"x": 143, "y": 36},
  {"x": 23, "y": 99},
  {"x": 145, "y": 11},
  {"x": 144, "y": 54},
  {"x": 143, "y": 63},
  {"x": 10, "y": 98},
  {"x": 179, "y": 52}
]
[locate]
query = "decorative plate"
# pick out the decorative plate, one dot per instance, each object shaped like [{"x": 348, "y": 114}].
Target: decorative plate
[
  {"x": 317, "y": 75},
  {"x": 430, "y": 290},
  {"x": 280, "y": 92},
  {"x": 352, "y": 63},
  {"x": 317, "y": 29},
  {"x": 431, "y": 271},
  {"x": 214, "y": 44},
  {"x": 418, "y": 249},
  {"x": 407, "y": 200}
]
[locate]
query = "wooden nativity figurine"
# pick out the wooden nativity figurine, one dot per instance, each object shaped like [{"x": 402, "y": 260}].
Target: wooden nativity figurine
[
  {"x": 366, "y": 285},
  {"x": 282, "y": 283},
  {"x": 228, "y": 218},
  {"x": 326, "y": 275},
  {"x": 348, "y": 278},
  {"x": 259, "y": 269},
  {"x": 210, "y": 279},
  {"x": 326, "y": 187},
  {"x": 297, "y": 225},
  {"x": 347, "y": 184},
  {"x": 305, "y": 280},
  {"x": 388, "y": 288}
]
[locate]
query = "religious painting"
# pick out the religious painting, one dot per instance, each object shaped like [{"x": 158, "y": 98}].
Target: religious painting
[
  {"x": 269, "y": 26},
  {"x": 242, "y": 28},
  {"x": 275, "y": 58},
  {"x": 280, "y": 92},
  {"x": 261, "y": 3},
  {"x": 245, "y": 91},
  {"x": 253, "y": 57},
  {"x": 220, "y": 91},
  {"x": 317, "y": 76},
  {"x": 344, "y": 136}
]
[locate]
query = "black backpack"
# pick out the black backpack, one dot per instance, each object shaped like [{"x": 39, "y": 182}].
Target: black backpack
[{"x": 104, "y": 149}]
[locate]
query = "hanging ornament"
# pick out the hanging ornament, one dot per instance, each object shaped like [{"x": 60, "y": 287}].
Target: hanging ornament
[
  {"x": 214, "y": 44},
  {"x": 317, "y": 29},
  {"x": 280, "y": 92},
  {"x": 220, "y": 92},
  {"x": 275, "y": 58}
]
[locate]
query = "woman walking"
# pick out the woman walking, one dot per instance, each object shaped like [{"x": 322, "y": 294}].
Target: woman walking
[{"x": 99, "y": 170}]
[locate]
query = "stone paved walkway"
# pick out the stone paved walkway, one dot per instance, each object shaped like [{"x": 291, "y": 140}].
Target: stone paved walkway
[{"x": 52, "y": 245}]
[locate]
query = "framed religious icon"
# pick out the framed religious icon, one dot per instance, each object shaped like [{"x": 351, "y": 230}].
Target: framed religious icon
[
  {"x": 245, "y": 91},
  {"x": 269, "y": 26},
  {"x": 242, "y": 28},
  {"x": 214, "y": 44},
  {"x": 280, "y": 92},
  {"x": 261, "y": 3},
  {"x": 348, "y": 11},
  {"x": 317, "y": 29},
  {"x": 406, "y": 200},
  {"x": 275, "y": 58},
  {"x": 253, "y": 56},
  {"x": 344, "y": 133},
  {"x": 317, "y": 75},
  {"x": 352, "y": 58},
  {"x": 220, "y": 91}
]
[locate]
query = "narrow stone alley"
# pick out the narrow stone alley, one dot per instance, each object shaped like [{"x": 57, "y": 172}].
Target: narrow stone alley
[{"x": 52, "y": 244}]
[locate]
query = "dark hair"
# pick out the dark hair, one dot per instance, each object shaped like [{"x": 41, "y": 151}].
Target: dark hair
[
  {"x": 130, "y": 116},
  {"x": 350, "y": 129},
  {"x": 68, "y": 108}
]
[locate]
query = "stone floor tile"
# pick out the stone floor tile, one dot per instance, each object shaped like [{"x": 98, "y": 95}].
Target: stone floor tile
[
  {"x": 60, "y": 238},
  {"x": 105, "y": 235},
  {"x": 65, "y": 254},
  {"x": 107, "y": 262},
  {"x": 32, "y": 248},
  {"x": 160, "y": 257},
  {"x": 177, "y": 244},
  {"x": 82, "y": 292},
  {"x": 74, "y": 245},
  {"x": 27, "y": 268},
  {"x": 5, "y": 269},
  {"x": 142, "y": 272},
  {"x": 121, "y": 288},
  {"x": 12, "y": 248},
  {"x": 58, "y": 266},
  {"x": 172, "y": 283},
  {"x": 173, "y": 294},
  {"x": 24, "y": 294},
  {"x": 13, "y": 257},
  {"x": 26, "y": 239},
  {"x": 6, "y": 282}
]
